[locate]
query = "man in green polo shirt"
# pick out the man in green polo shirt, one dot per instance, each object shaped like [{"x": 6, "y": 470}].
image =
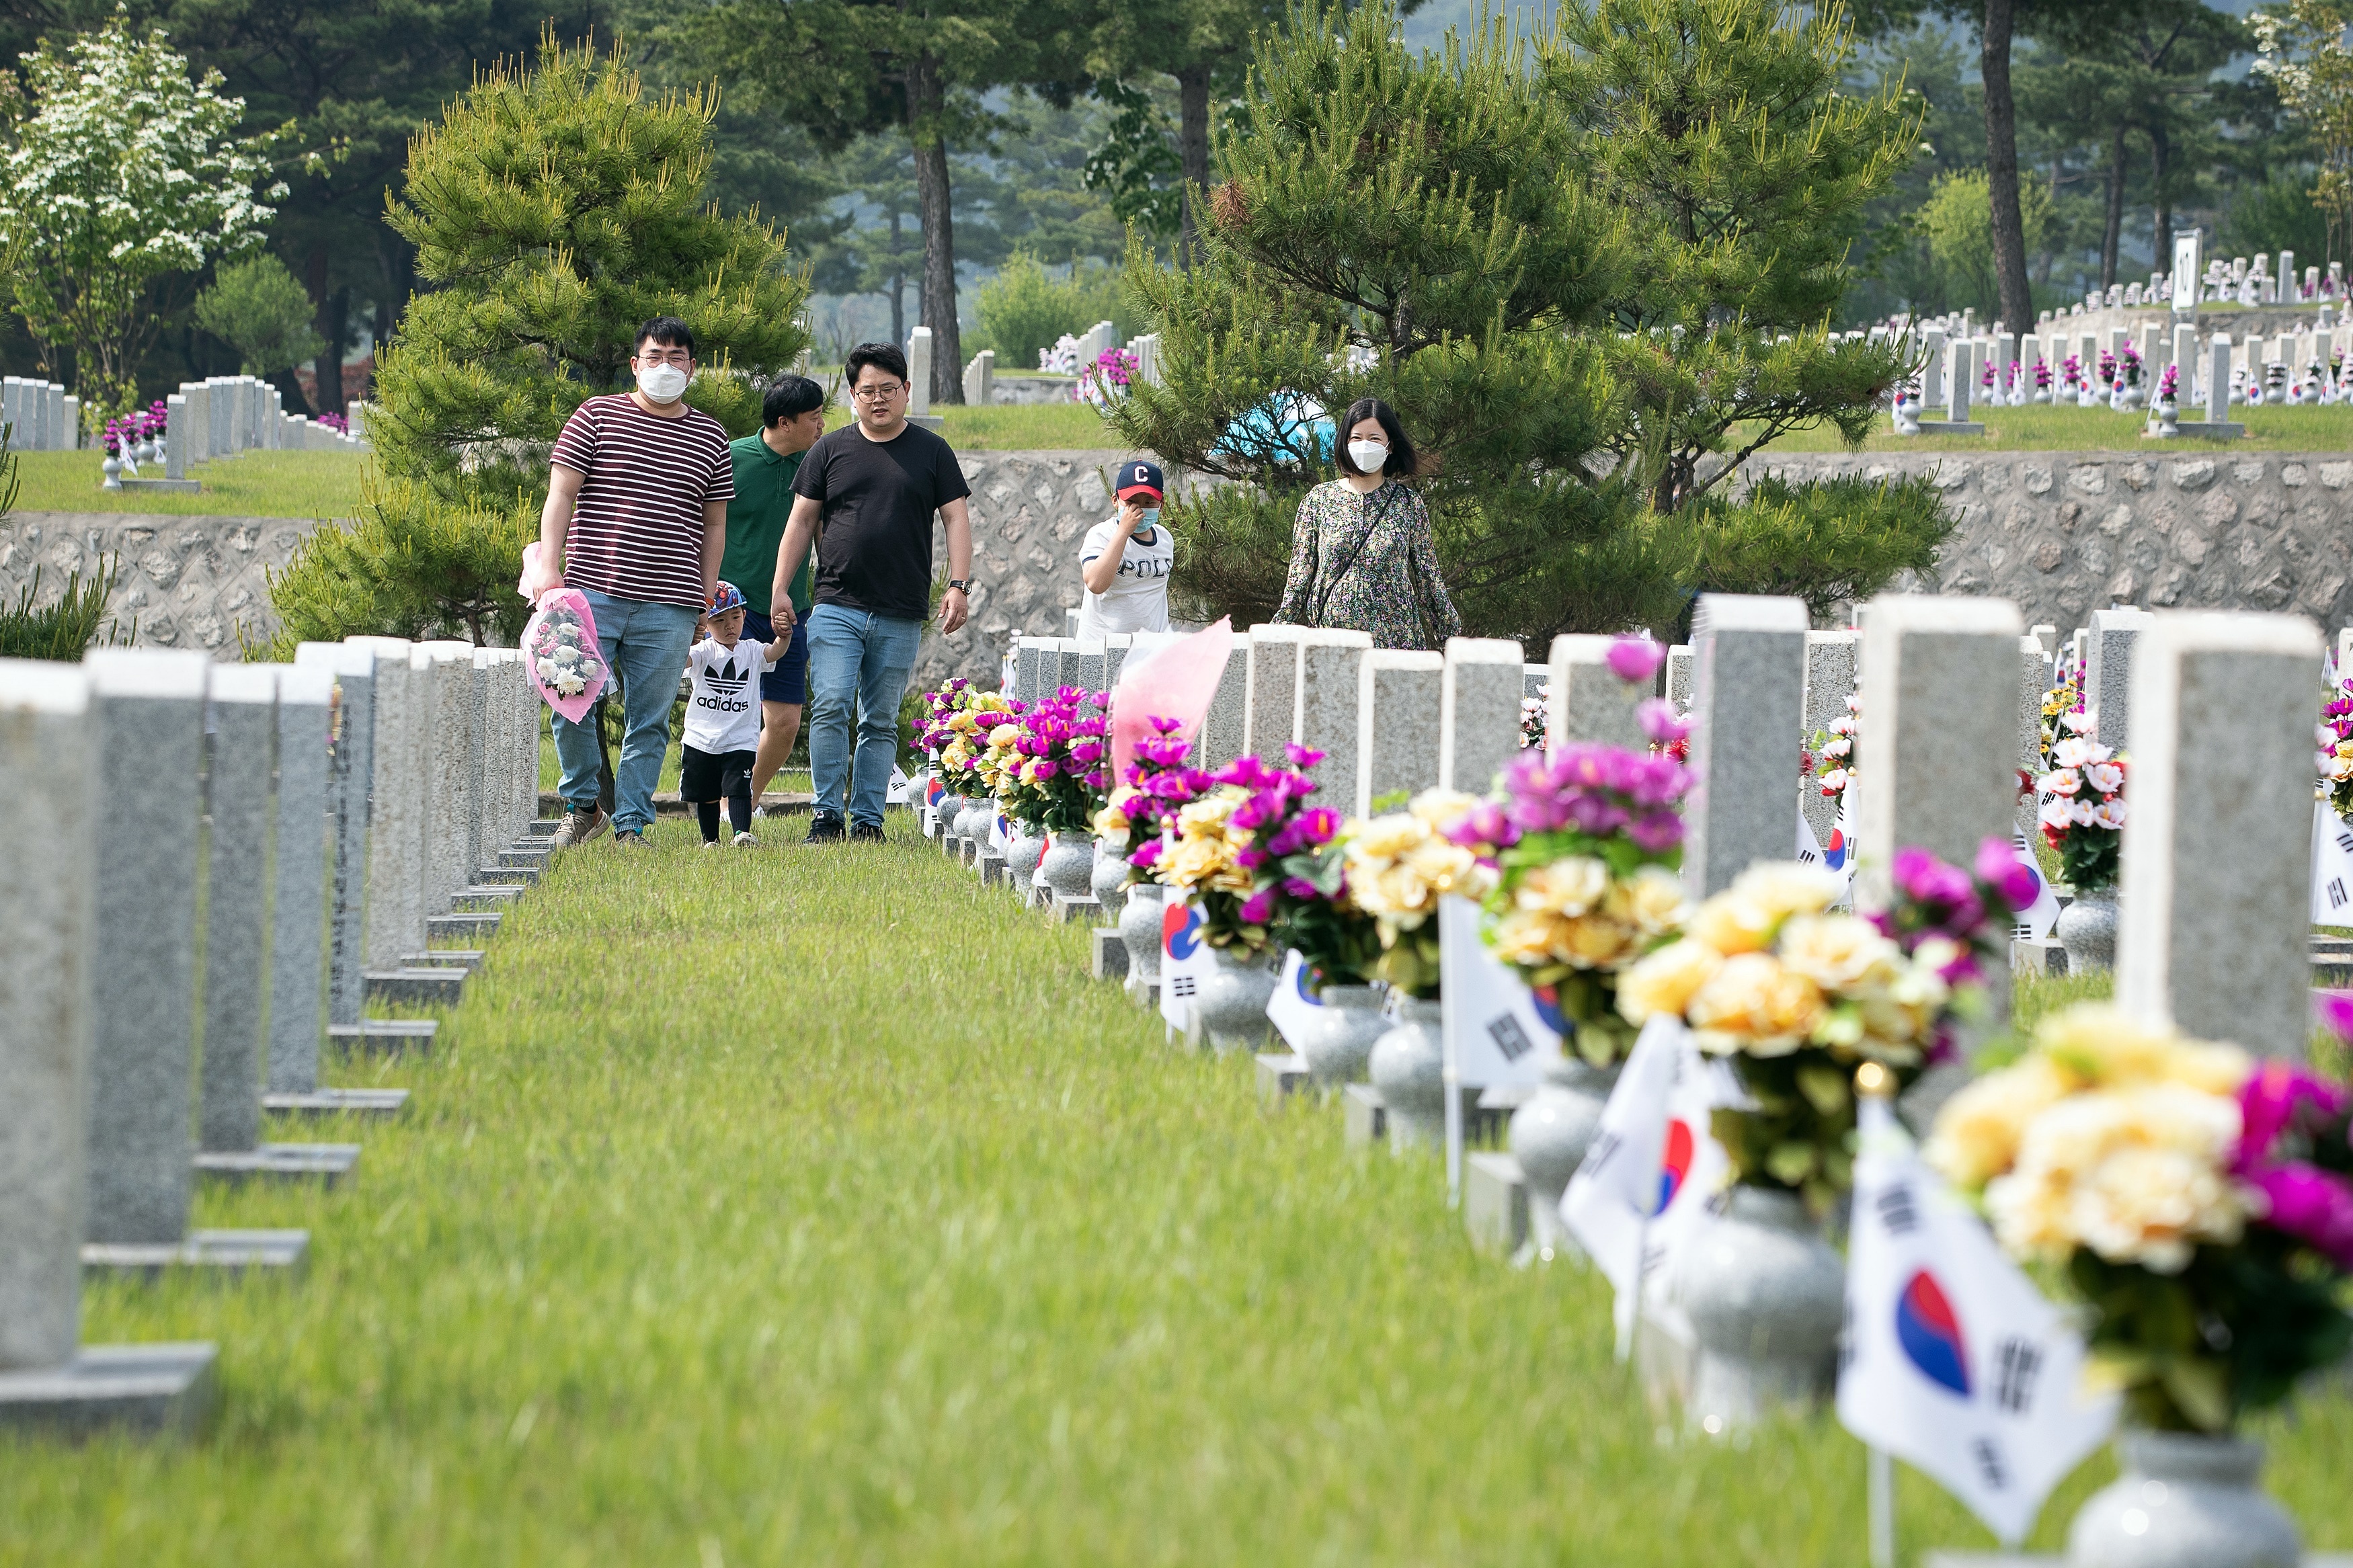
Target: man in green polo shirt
[{"x": 792, "y": 416}]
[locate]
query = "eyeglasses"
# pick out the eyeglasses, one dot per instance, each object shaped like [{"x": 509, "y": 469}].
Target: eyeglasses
[
  {"x": 880, "y": 392},
  {"x": 667, "y": 356}
]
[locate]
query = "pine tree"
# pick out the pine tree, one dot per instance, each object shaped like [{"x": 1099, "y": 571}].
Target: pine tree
[
  {"x": 1574, "y": 356},
  {"x": 553, "y": 210}
]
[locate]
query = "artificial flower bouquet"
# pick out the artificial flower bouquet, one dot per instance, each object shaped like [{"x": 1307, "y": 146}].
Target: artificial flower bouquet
[
  {"x": 1399, "y": 866},
  {"x": 1797, "y": 995},
  {"x": 1585, "y": 847},
  {"x": 1835, "y": 746},
  {"x": 1241, "y": 849},
  {"x": 956, "y": 731},
  {"x": 2082, "y": 813},
  {"x": 1533, "y": 718},
  {"x": 2335, "y": 758},
  {"x": 561, "y": 651},
  {"x": 2199, "y": 1203},
  {"x": 1051, "y": 773},
  {"x": 1140, "y": 811}
]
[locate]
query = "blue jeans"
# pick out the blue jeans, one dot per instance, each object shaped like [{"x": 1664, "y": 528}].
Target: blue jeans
[
  {"x": 861, "y": 660},
  {"x": 645, "y": 646}
]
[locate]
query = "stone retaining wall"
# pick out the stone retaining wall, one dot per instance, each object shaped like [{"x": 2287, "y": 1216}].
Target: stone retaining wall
[
  {"x": 2064, "y": 534},
  {"x": 190, "y": 582}
]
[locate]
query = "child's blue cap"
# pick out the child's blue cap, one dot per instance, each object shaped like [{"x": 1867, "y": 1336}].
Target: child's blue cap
[{"x": 726, "y": 597}]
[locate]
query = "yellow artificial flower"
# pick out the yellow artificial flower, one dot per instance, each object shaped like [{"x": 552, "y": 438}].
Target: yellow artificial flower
[
  {"x": 1841, "y": 953},
  {"x": 2102, "y": 1045},
  {"x": 1755, "y": 1006},
  {"x": 1439, "y": 809},
  {"x": 1784, "y": 888},
  {"x": 1566, "y": 887},
  {"x": 1980, "y": 1128},
  {"x": 1664, "y": 981},
  {"x": 1004, "y": 735},
  {"x": 2137, "y": 1174},
  {"x": 1651, "y": 901}
]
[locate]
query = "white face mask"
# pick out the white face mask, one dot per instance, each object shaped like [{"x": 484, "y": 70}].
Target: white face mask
[
  {"x": 1371, "y": 457},
  {"x": 662, "y": 382},
  {"x": 1151, "y": 517}
]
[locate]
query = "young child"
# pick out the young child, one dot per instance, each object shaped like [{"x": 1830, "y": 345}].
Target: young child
[{"x": 722, "y": 717}]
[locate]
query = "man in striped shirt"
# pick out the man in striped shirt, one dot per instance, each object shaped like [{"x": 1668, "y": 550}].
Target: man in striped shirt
[{"x": 636, "y": 520}]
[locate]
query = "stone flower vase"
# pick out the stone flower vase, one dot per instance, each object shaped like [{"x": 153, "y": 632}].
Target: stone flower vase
[
  {"x": 1071, "y": 864},
  {"x": 951, "y": 807},
  {"x": 1550, "y": 1132},
  {"x": 1022, "y": 852},
  {"x": 1766, "y": 1295},
  {"x": 971, "y": 822},
  {"x": 1108, "y": 877},
  {"x": 2169, "y": 416},
  {"x": 1407, "y": 1066},
  {"x": 2185, "y": 1500},
  {"x": 1139, "y": 932},
  {"x": 1337, "y": 1041},
  {"x": 2087, "y": 930},
  {"x": 1232, "y": 1002}
]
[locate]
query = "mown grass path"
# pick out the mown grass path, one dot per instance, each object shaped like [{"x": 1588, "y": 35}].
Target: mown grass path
[{"x": 796, "y": 1207}]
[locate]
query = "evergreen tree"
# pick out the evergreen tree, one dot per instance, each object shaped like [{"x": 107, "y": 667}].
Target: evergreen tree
[
  {"x": 553, "y": 210},
  {"x": 1582, "y": 333}
]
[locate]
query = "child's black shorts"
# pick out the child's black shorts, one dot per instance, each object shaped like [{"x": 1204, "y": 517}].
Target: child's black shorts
[{"x": 714, "y": 776}]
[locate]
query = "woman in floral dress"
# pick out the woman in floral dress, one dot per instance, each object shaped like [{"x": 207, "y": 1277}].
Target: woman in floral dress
[{"x": 1361, "y": 556}]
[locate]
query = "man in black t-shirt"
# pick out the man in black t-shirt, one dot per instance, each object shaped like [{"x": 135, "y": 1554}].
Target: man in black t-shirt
[{"x": 867, "y": 493}]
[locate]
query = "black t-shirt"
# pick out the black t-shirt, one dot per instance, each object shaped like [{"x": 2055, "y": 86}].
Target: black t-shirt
[{"x": 874, "y": 543}]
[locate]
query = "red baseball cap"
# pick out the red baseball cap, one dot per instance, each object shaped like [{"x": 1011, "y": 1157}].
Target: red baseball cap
[{"x": 1138, "y": 478}]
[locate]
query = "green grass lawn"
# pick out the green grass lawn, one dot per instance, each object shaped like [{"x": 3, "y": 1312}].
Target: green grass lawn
[
  {"x": 252, "y": 484},
  {"x": 1026, "y": 426},
  {"x": 794, "y": 1207},
  {"x": 2047, "y": 428}
]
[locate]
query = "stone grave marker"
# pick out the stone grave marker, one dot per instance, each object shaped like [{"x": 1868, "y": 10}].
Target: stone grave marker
[
  {"x": 1679, "y": 675},
  {"x": 1331, "y": 690},
  {"x": 1226, "y": 725},
  {"x": 350, "y": 769},
  {"x": 1478, "y": 712},
  {"x": 244, "y": 701},
  {"x": 1833, "y": 663},
  {"x": 2107, "y": 672},
  {"x": 50, "y": 795},
  {"x": 1271, "y": 717},
  {"x": 1398, "y": 694},
  {"x": 394, "y": 923},
  {"x": 1589, "y": 701},
  {"x": 1748, "y": 656},
  {"x": 299, "y": 904},
  {"x": 2216, "y": 907}
]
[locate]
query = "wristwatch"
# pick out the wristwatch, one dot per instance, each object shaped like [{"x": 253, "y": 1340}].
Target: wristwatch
[{"x": 959, "y": 584}]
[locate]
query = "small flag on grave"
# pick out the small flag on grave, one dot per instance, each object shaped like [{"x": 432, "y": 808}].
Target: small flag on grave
[
  {"x": 1496, "y": 1030},
  {"x": 1183, "y": 957},
  {"x": 1295, "y": 1003},
  {"x": 2332, "y": 868},
  {"x": 1952, "y": 1360}
]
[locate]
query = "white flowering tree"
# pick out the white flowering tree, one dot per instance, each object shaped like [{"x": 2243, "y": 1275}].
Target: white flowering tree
[{"x": 119, "y": 167}]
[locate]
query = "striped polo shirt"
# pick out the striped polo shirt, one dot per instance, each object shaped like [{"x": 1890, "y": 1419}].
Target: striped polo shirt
[{"x": 636, "y": 532}]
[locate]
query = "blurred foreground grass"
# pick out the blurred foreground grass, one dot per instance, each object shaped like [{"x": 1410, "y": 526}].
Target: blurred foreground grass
[{"x": 790, "y": 1206}]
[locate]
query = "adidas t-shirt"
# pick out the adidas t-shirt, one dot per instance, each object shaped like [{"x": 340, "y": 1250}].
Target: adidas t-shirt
[
  {"x": 723, "y": 712},
  {"x": 1137, "y": 599}
]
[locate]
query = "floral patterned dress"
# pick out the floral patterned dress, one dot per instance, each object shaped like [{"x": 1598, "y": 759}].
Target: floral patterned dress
[{"x": 1367, "y": 564}]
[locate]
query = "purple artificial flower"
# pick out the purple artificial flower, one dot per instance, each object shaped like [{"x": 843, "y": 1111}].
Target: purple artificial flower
[
  {"x": 1485, "y": 826},
  {"x": 1947, "y": 889},
  {"x": 1657, "y": 833},
  {"x": 2269, "y": 1102},
  {"x": 1086, "y": 751},
  {"x": 1146, "y": 855},
  {"x": 1662, "y": 721},
  {"x": 1999, "y": 867},
  {"x": 1301, "y": 756},
  {"x": 2309, "y": 1203},
  {"x": 1300, "y": 888},
  {"x": 1258, "y": 908},
  {"x": 1635, "y": 660},
  {"x": 2334, "y": 1011}
]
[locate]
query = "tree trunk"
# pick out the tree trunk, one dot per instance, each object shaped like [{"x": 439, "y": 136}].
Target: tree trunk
[
  {"x": 1192, "y": 148},
  {"x": 335, "y": 326},
  {"x": 289, "y": 392},
  {"x": 2112, "y": 232},
  {"x": 932, "y": 193},
  {"x": 2001, "y": 169},
  {"x": 2160, "y": 159},
  {"x": 898, "y": 289}
]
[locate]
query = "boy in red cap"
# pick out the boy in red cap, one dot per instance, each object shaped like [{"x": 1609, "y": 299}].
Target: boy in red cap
[{"x": 1125, "y": 559}]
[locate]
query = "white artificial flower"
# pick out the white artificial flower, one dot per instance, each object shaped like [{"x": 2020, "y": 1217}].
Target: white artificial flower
[
  {"x": 1834, "y": 780},
  {"x": 2080, "y": 813},
  {"x": 2078, "y": 722},
  {"x": 2055, "y": 814},
  {"x": 2105, "y": 777},
  {"x": 2110, "y": 815},
  {"x": 2072, "y": 752},
  {"x": 1837, "y": 748},
  {"x": 2064, "y": 780},
  {"x": 546, "y": 668}
]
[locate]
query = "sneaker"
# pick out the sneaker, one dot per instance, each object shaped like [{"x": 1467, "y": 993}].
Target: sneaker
[
  {"x": 581, "y": 824},
  {"x": 711, "y": 844},
  {"x": 823, "y": 828},
  {"x": 745, "y": 840},
  {"x": 631, "y": 840},
  {"x": 866, "y": 833}
]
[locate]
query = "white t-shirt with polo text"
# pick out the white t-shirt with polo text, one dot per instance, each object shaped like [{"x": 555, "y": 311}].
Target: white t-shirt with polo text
[{"x": 1137, "y": 599}]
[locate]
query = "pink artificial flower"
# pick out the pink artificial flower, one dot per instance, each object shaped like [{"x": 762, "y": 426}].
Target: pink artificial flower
[
  {"x": 1635, "y": 660},
  {"x": 1662, "y": 721},
  {"x": 1258, "y": 908}
]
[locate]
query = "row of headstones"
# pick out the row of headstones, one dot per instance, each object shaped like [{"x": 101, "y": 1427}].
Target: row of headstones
[
  {"x": 206, "y": 872},
  {"x": 2217, "y": 709},
  {"x": 980, "y": 370},
  {"x": 2240, "y": 282},
  {"x": 224, "y": 415},
  {"x": 39, "y": 415}
]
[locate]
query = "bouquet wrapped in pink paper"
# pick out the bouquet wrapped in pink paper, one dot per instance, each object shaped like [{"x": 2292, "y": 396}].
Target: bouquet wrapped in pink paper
[{"x": 561, "y": 651}]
